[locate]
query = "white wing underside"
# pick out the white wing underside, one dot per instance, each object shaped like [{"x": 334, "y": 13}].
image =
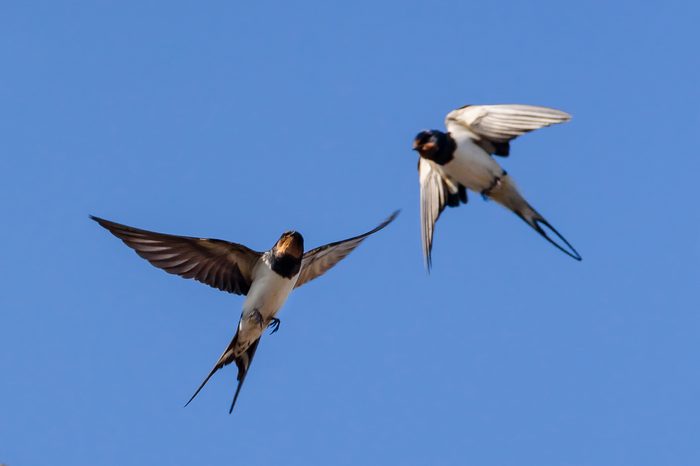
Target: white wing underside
[
  {"x": 434, "y": 189},
  {"x": 501, "y": 123}
]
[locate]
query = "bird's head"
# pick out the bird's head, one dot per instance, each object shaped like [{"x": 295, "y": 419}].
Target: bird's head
[
  {"x": 427, "y": 142},
  {"x": 290, "y": 243}
]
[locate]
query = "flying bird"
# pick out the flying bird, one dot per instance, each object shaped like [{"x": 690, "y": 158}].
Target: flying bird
[
  {"x": 461, "y": 159},
  {"x": 265, "y": 278}
]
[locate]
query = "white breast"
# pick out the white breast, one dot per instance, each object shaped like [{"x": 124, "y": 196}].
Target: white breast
[
  {"x": 267, "y": 295},
  {"x": 269, "y": 291},
  {"x": 472, "y": 166}
]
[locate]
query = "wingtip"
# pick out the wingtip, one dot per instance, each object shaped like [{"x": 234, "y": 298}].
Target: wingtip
[
  {"x": 563, "y": 116},
  {"x": 385, "y": 223},
  {"x": 100, "y": 221},
  {"x": 428, "y": 263},
  {"x": 104, "y": 223},
  {"x": 393, "y": 215}
]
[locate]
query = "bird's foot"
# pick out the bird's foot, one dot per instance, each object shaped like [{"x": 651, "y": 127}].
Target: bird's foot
[
  {"x": 257, "y": 318},
  {"x": 274, "y": 325},
  {"x": 486, "y": 193}
]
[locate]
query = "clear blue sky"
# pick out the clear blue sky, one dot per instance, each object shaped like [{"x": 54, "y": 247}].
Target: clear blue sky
[{"x": 239, "y": 120}]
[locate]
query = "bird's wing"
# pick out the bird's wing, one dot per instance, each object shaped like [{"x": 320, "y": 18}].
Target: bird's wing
[
  {"x": 499, "y": 124},
  {"x": 317, "y": 261},
  {"x": 217, "y": 263},
  {"x": 436, "y": 192}
]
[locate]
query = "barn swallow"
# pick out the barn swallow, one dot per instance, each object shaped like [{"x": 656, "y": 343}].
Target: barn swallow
[
  {"x": 265, "y": 278},
  {"x": 461, "y": 158}
]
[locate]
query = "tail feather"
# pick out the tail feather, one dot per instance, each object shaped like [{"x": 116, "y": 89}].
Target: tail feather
[
  {"x": 537, "y": 221},
  {"x": 508, "y": 195},
  {"x": 225, "y": 359},
  {"x": 216, "y": 368},
  {"x": 243, "y": 363}
]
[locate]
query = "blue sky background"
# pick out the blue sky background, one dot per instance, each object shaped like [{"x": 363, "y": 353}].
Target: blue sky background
[{"x": 239, "y": 120}]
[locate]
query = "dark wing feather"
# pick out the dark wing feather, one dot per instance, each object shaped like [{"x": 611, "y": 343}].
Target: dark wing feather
[
  {"x": 317, "y": 261},
  {"x": 217, "y": 263}
]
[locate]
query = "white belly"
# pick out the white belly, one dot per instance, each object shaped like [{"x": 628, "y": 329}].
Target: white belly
[
  {"x": 267, "y": 295},
  {"x": 268, "y": 292},
  {"x": 472, "y": 166}
]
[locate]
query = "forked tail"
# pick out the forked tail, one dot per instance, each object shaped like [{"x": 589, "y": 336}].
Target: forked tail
[
  {"x": 536, "y": 221},
  {"x": 509, "y": 197},
  {"x": 225, "y": 359},
  {"x": 216, "y": 368},
  {"x": 242, "y": 362}
]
